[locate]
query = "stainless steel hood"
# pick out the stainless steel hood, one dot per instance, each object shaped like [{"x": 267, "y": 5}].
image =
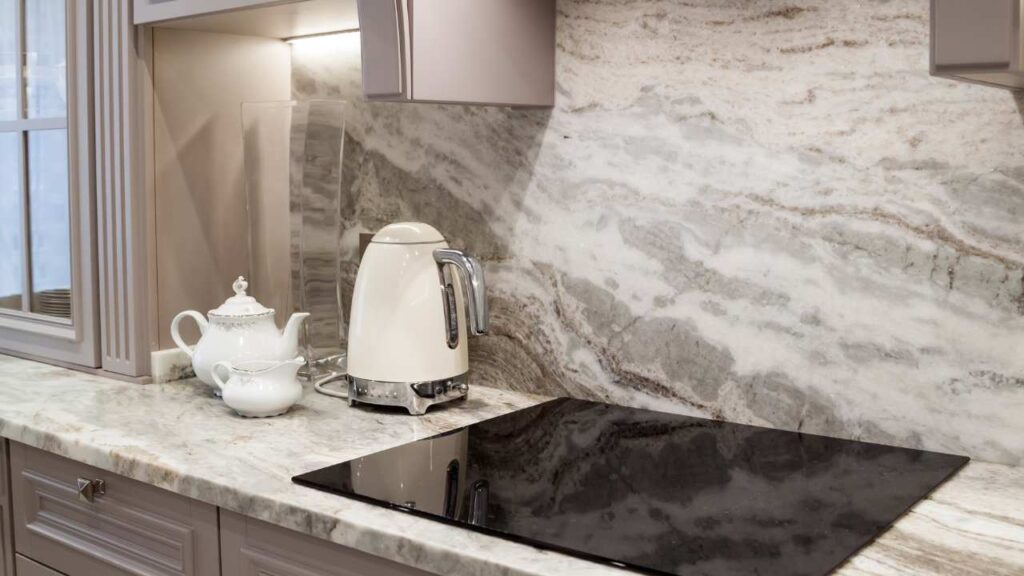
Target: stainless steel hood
[{"x": 980, "y": 41}]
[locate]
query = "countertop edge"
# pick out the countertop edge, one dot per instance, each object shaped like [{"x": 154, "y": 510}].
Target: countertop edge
[
  {"x": 979, "y": 494},
  {"x": 389, "y": 534}
]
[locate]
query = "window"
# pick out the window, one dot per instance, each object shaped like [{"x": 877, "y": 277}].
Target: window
[
  {"x": 35, "y": 227},
  {"x": 47, "y": 305}
]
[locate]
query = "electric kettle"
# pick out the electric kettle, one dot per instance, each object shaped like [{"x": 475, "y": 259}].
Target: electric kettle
[{"x": 408, "y": 327}]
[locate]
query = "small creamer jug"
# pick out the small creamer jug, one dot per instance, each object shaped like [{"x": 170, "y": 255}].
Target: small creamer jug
[{"x": 259, "y": 388}]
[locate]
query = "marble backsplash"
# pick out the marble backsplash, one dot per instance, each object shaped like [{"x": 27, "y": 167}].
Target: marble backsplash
[{"x": 760, "y": 211}]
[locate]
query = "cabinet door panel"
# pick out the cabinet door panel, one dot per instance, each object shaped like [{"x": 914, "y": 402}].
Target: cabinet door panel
[
  {"x": 254, "y": 548},
  {"x": 133, "y": 528},
  {"x": 483, "y": 51},
  {"x": 382, "y": 24},
  {"x": 6, "y": 548},
  {"x": 28, "y": 567}
]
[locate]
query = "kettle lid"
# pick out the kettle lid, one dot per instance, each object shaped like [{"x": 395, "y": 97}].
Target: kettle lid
[
  {"x": 241, "y": 304},
  {"x": 408, "y": 233}
]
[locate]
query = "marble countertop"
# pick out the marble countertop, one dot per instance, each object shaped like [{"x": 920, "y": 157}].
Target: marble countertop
[{"x": 177, "y": 437}]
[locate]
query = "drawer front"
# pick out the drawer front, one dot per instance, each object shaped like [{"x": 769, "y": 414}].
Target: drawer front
[
  {"x": 6, "y": 548},
  {"x": 254, "y": 548},
  {"x": 132, "y": 529},
  {"x": 27, "y": 567}
]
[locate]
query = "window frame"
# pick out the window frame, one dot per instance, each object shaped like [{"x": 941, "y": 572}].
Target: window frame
[{"x": 74, "y": 339}]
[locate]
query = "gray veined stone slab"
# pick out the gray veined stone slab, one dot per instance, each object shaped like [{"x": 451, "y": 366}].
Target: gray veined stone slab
[{"x": 761, "y": 211}]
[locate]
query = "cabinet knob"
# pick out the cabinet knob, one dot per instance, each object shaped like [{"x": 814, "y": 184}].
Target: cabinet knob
[{"x": 88, "y": 490}]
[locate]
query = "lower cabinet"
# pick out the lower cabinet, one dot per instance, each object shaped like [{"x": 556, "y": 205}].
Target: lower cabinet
[
  {"x": 253, "y": 548},
  {"x": 6, "y": 548},
  {"x": 82, "y": 521},
  {"x": 28, "y": 567},
  {"x": 70, "y": 519}
]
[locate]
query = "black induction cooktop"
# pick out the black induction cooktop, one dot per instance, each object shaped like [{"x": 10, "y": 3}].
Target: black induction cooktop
[{"x": 654, "y": 492}]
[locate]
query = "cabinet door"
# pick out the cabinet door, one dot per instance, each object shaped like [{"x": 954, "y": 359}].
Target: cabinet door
[
  {"x": 29, "y": 567},
  {"x": 6, "y": 549},
  {"x": 147, "y": 11},
  {"x": 48, "y": 305},
  {"x": 254, "y": 548},
  {"x": 978, "y": 41},
  {"x": 483, "y": 51},
  {"x": 132, "y": 528},
  {"x": 491, "y": 52},
  {"x": 382, "y": 37}
]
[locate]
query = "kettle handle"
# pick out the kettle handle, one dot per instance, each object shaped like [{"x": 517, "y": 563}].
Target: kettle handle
[
  {"x": 473, "y": 282},
  {"x": 176, "y": 335}
]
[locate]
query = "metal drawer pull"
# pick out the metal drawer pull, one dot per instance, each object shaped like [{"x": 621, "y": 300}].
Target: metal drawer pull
[{"x": 88, "y": 490}]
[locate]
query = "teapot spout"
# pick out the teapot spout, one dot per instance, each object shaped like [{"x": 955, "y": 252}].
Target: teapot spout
[{"x": 290, "y": 334}]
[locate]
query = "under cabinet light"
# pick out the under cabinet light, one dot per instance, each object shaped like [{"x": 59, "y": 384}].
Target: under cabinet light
[{"x": 295, "y": 39}]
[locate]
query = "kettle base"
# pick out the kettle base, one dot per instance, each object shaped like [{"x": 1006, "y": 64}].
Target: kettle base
[{"x": 415, "y": 397}]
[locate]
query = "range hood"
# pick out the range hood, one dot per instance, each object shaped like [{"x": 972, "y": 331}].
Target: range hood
[{"x": 979, "y": 41}]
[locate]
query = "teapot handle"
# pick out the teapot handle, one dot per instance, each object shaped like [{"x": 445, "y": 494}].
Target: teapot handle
[
  {"x": 215, "y": 373},
  {"x": 176, "y": 335}
]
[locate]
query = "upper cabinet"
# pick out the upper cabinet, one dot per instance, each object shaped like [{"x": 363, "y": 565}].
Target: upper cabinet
[
  {"x": 499, "y": 52},
  {"x": 978, "y": 41},
  {"x": 273, "y": 19},
  {"x": 147, "y": 11},
  {"x": 48, "y": 305},
  {"x": 490, "y": 52}
]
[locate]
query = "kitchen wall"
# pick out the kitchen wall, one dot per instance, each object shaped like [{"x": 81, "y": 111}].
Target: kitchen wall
[
  {"x": 761, "y": 211},
  {"x": 199, "y": 229}
]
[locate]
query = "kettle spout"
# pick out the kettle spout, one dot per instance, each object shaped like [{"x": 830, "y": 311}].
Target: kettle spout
[{"x": 290, "y": 335}]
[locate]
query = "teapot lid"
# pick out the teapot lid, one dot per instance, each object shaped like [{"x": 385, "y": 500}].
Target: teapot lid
[{"x": 241, "y": 305}]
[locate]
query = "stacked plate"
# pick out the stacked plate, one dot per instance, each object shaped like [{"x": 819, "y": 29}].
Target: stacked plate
[{"x": 56, "y": 302}]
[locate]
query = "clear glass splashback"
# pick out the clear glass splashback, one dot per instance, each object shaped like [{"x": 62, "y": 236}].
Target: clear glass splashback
[{"x": 293, "y": 168}]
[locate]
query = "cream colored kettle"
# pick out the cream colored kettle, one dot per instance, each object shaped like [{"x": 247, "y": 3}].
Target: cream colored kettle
[{"x": 407, "y": 330}]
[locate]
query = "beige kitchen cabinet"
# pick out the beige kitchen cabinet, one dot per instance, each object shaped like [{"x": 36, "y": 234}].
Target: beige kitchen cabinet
[
  {"x": 149, "y": 11},
  {"x": 132, "y": 528},
  {"x": 981, "y": 41},
  {"x": 6, "y": 548},
  {"x": 125, "y": 528},
  {"x": 491, "y": 52},
  {"x": 253, "y": 548},
  {"x": 48, "y": 224}
]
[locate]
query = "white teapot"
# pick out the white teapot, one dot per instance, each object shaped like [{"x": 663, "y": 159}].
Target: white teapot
[{"x": 240, "y": 329}]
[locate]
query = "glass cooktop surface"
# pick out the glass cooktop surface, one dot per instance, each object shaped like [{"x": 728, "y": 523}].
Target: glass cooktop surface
[{"x": 654, "y": 492}]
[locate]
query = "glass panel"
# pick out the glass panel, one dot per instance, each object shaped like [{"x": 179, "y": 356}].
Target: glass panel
[
  {"x": 8, "y": 61},
  {"x": 45, "y": 59},
  {"x": 49, "y": 222},
  {"x": 10, "y": 223},
  {"x": 293, "y": 167}
]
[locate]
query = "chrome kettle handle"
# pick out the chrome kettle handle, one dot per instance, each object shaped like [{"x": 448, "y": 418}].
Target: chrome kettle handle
[{"x": 473, "y": 280}]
